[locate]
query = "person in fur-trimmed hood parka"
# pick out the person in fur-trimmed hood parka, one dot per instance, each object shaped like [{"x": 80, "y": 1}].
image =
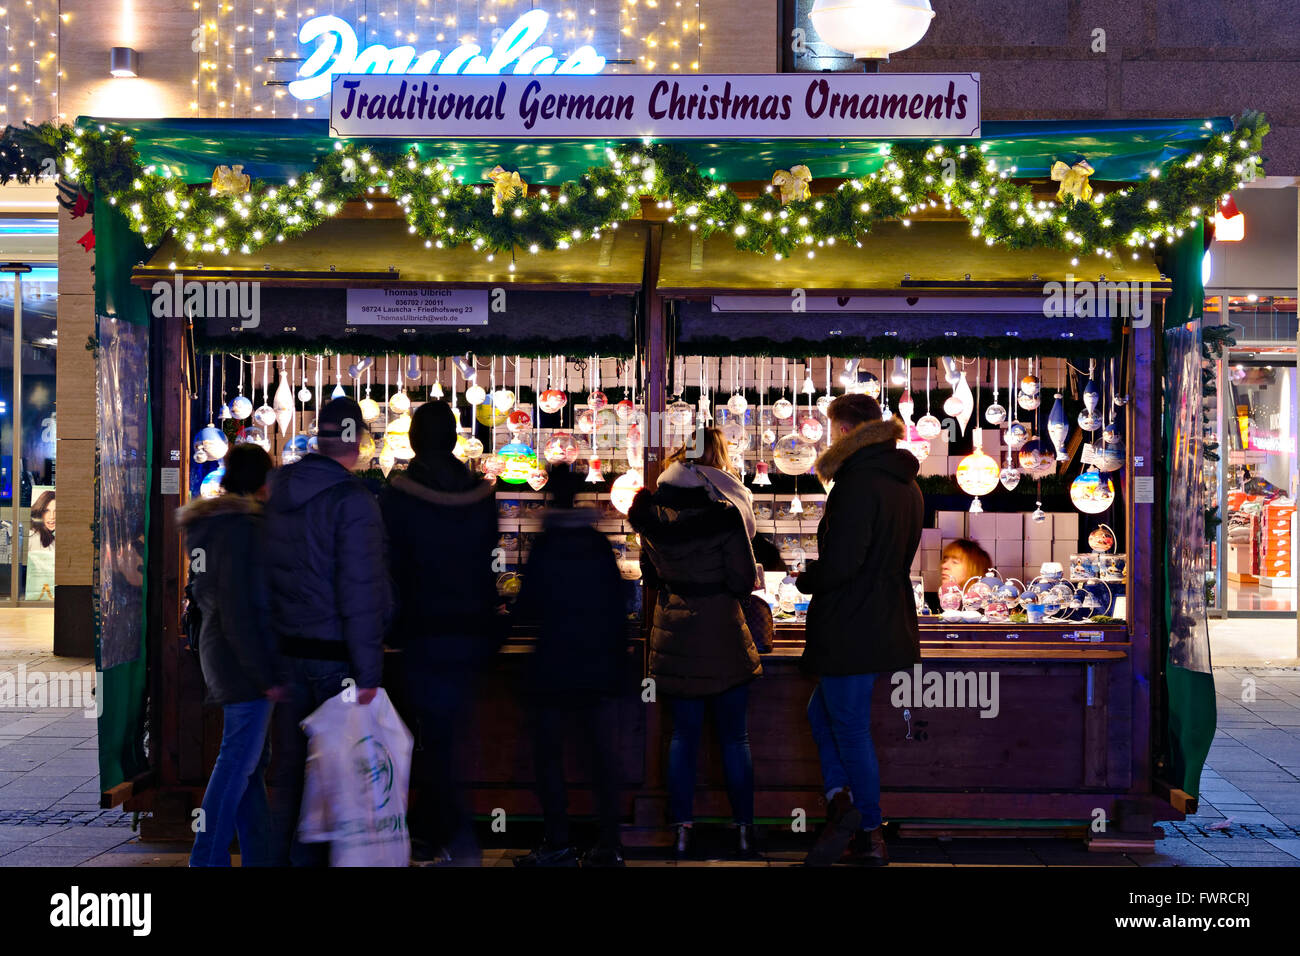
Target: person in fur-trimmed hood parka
[{"x": 862, "y": 615}]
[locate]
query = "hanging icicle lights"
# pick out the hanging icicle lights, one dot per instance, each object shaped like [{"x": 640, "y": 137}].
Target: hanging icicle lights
[{"x": 447, "y": 211}]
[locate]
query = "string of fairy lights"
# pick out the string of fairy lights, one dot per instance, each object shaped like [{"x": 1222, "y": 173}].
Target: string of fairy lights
[
  {"x": 30, "y": 74},
  {"x": 506, "y": 217},
  {"x": 246, "y": 51}
]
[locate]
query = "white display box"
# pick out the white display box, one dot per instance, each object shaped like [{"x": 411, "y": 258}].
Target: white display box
[
  {"x": 931, "y": 539},
  {"x": 1065, "y": 526},
  {"x": 1009, "y": 554},
  {"x": 1061, "y": 551},
  {"x": 931, "y": 579},
  {"x": 1037, "y": 552},
  {"x": 982, "y": 527},
  {"x": 934, "y": 465},
  {"x": 931, "y": 560},
  {"x": 1011, "y": 527},
  {"x": 951, "y": 524},
  {"x": 1038, "y": 532}
]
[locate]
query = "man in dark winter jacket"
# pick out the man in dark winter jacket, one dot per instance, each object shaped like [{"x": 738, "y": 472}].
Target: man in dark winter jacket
[
  {"x": 442, "y": 528},
  {"x": 331, "y": 599},
  {"x": 862, "y": 616}
]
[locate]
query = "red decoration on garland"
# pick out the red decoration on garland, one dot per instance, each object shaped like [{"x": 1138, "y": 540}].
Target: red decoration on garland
[
  {"x": 80, "y": 206},
  {"x": 87, "y": 241}
]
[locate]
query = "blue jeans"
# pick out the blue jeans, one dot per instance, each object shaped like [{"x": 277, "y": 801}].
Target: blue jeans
[
  {"x": 729, "y": 711},
  {"x": 235, "y": 800},
  {"x": 309, "y": 683},
  {"x": 840, "y": 714}
]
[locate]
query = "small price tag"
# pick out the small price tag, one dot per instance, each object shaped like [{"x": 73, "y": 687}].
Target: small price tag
[
  {"x": 1144, "y": 490},
  {"x": 1089, "y": 454},
  {"x": 169, "y": 481}
]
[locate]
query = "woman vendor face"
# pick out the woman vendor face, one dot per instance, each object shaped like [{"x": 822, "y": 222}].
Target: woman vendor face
[
  {"x": 953, "y": 569},
  {"x": 49, "y": 517}
]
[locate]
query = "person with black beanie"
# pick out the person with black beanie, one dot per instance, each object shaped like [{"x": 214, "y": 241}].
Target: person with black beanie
[{"x": 442, "y": 529}]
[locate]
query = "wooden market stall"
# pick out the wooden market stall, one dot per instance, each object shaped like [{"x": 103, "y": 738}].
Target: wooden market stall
[{"x": 657, "y": 314}]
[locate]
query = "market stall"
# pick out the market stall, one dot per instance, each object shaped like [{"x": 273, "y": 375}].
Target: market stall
[{"x": 661, "y": 285}]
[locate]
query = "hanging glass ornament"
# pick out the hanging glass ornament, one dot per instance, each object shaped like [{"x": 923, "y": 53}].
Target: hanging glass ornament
[
  {"x": 1029, "y": 385},
  {"x": 593, "y": 471},
  {"x": 1111, "y": 457},
  {"x": 1039, "y": 515},
  {"x": 760, "y": 474},
  {"x": 537, "y": 479},
  {"x": 928, "y": 427},
  {"x": 1035, "y": 459},
  {"x": 597, "y": 400},
  {"x": 492, "y": 466},
  {"x": 518, "y": 420},
  {"x": 473, "y": 448},
  {"x": 1089, "y": 421},
  {"x": 737, "y": 404},
  {"x": 624, "y": 489},
  {"x": 961, "y": 403},
  {"x": 1009, "y": 477},
  {"x": 210, "y": 486},
  {"x": 475, "y": 394},
  {"x": 503, "y": 399},
  {"x": 736, "y": 436},
  {"x": 996, "y": 413},
  {"x": 293, "y": 449},
  {"x": 768, "y": 437},
  {"x": 399, "y": 403},
  {"x": 213, "y": 442},
  {"x": 254, "y": 435},
  {"x": 1058, "y": 429},
  {"x": 1101, "y": 539},
  {"x": 1091, "y": 397},
  {"x": 200, "y": 455},
  {"x": 552, "y": 400},
  {"x": 1017, "y": 434},
  {"x": 369, "y": 408},
  {"x": 519, "y": 460},
  {"x": 680, "y": 414},
  {"x": 355, "y": 370},
  {"x": 386, "y": 459},
  {"x": 810, "y": 427},
  {"x": 304, "y": 392},
  {"x": 625, "y": 411},
  {"x": 951, "y": 372},
  {"x": 1091, "y": 493},
  {"x": 240, "y": 407},
  {"x": 914, "y": 443},
  {"x": 585, "y": 421},
  {"x": 824, "y": 404},
  {"x": 906, "y": 406},
  {"x": 868, "y": 384},
  {"x": 794, "y": 455},
  {"x": 225, "y": 414},
  {"x": 1027, "y": 402},
  {"x": 560, "y": 448},
  {"x": 782, "y": 409},
  {"x": 977, "y": 474},
  {"x": 338, "y": 392},
  {"x": 264, "y": 416}
]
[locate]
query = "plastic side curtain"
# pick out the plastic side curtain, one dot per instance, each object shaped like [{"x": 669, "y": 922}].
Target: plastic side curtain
[
  {"x": 1189, "y": 681},
  {"x": 122, "y": 468}
]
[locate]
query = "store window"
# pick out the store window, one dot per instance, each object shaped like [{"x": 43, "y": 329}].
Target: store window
[{"x": 28, "y": 427}]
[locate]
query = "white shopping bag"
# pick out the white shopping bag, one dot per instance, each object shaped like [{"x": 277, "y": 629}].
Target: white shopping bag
[{"x": 357, "y": 777}]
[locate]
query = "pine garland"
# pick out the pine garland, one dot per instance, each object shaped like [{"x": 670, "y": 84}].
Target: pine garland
[{"x": 448, "y": 212}]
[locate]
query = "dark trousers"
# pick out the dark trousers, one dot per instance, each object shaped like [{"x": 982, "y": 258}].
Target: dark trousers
[
  {"x": 441, "y": 699},
  {"x": 595, "y": 716},
  {"x": 729, "y": 711},
  {"x": 310, "y": 683}
]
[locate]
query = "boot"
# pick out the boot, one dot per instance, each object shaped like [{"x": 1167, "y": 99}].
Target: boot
[
  {"x": 867, "y": 849},
  {"x": 683, "y": 846},
  {"x": 745, "y": 847},
  {"x": 842, "y": 821}
]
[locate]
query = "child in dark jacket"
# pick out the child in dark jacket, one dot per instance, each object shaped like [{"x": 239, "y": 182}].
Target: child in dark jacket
[{"x": 577, "y": 668}]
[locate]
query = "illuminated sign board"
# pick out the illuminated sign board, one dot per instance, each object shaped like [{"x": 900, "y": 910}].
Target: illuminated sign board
[{"x": 515, "y": 51}]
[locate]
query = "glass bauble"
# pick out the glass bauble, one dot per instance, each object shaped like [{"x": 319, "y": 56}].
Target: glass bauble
[{"x": 794, "y": 455}]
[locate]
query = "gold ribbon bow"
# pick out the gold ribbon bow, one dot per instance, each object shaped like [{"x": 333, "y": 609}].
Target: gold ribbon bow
[
  {"x": 793, "y": 183},
  {"x": 505, "y": 186},
  {"x": 1073, "y": 180},
  {"x": 229, "y": 181}
]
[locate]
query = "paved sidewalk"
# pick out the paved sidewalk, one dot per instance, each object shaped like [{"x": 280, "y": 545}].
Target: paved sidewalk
[{"x": 1249, "y": 816}]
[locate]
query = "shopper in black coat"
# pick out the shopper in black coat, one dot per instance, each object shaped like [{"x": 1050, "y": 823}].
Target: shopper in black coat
[
  {"x": 330, "y": 600},
  {"x": 442, "y": 528},
  {"x": 225, "y": 547},
  {"x": 862, "y": 616},
  {"x": 576, "y": 598}
]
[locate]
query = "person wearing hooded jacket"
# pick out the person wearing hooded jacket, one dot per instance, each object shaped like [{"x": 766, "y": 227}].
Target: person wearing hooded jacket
[
  {"x": 225, "y": 542},
  {"x": 442, "y": 528},
  {"x": 862, "y": 614},
  {"x": 330, "y": 601},
  {"x": 696, "y": 530}
]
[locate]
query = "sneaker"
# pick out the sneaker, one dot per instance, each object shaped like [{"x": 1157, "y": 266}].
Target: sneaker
[
  {"x": 842, "y": 822},
  {"x": 548, "y": 855},
  {"x": 601, "y": 855}
]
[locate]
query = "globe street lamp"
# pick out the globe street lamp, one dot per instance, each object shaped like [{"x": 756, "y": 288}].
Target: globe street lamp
[{"x": 872, "y": 29}]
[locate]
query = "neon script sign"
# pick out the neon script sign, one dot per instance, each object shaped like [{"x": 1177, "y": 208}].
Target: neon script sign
[{"x": 339, "y": 52}]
